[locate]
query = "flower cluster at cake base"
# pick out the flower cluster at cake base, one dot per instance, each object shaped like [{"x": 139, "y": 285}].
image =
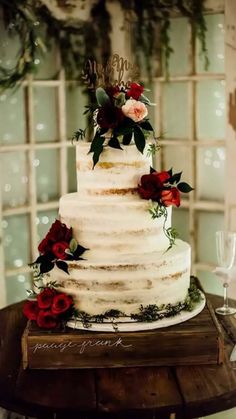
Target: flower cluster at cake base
[
  {"x": 163, "y": 189},
  {"x": 50, "y": 309},
  {"x": 56, "y": 248},
  {"x": 120, "y": 116}
]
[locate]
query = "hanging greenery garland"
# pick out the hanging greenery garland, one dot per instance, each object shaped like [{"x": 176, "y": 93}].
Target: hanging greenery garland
[{"x": 80, "y": 39}]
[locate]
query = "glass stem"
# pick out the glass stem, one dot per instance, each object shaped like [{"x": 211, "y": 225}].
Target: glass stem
[{"x": 226, "y": 304}]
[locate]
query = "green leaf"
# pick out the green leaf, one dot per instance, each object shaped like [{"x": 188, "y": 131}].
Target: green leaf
[
  {"x": 63, "y": 266},
  {"x": 96, "y": 148},
  {"x": 114, "y": 143},
  {"x": 102, "y": 97},
  {"x": 184, "y": 187},
  {"x": 127, "y": 138},
  {"x": 175, "y": 178},
  {"x": 146, "y": 125},
  {"x": 79, "y": 251},
  {"x": 73, "y": 245},
  {"x": 46, "y": 266},
  {"x": 139, "y": 138},
  {"x": 170, "y": 172},
  {"x": 126, "y": 127}
]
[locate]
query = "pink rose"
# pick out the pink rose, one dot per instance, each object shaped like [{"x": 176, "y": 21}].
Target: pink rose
[{"x": 134, "y": 110}]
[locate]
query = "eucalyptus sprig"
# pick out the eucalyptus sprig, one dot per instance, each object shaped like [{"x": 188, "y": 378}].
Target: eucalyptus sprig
[{"x": 158, "y": 211}]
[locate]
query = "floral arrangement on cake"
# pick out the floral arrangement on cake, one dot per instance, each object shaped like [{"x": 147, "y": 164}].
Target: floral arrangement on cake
[
  {"x": 120, "y": 115},
  {"x": 163, "y": 188},
  {"x": 50, "y": 309},
  {"x": 56, "y": 248}
]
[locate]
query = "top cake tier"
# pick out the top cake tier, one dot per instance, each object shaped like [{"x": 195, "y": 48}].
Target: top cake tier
[{"x": 117, "y": 173}]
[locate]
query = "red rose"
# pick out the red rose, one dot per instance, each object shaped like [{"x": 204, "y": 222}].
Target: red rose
[
  {"x": 59, "y": 250},
  {"x": 109, "y": 117},
  {"x": 135, "y": 91},
  {"x": 58, "y": 232},
  {"x": 61, "y": 303},
  {"x": 46, "y": 319},
  {"x": 162, "y": 176},
  {"x": 170, "y": 197},
  {"x": 31, "y": 310},
  {"x": 45, "y": 298},
  {"x": 150, "y": 187}
]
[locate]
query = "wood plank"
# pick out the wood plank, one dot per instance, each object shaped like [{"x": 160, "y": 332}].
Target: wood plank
[
  {"x": 57, "y": 389},
  {"x": 138, "y": 389}
]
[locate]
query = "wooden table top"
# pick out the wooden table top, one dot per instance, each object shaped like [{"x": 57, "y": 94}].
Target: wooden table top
[{"x": 142, "y": 392}]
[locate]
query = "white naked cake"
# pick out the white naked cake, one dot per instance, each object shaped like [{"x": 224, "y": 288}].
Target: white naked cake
[{"x": 127, "y": 265}]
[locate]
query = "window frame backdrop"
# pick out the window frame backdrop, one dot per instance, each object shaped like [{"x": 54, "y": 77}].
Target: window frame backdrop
[{"x": 62, "y": 145}]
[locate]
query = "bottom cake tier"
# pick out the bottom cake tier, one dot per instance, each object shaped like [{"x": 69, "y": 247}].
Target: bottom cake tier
[{"x": 126, "y": 285}]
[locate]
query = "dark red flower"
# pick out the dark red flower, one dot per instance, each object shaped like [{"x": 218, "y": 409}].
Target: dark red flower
[
  {"x": 58, "y": 232},
  {"x": 45, "y": 298},
  {"x": 61, "y": 303},
  {"x": 44, "y": 246},
  {"x": 59, "y": 250},
  {"x": 162, "y": 176},
  {"x": 135, "y": 91},
  {"x": 150, "y": 187},
  {"x": 31, "y": 310},
  {"x": 112, "y": 91},
  {"x": 109, "y": 117},
  {"x": 170, "y": 197},
  {"x": 47, "y": 320}
]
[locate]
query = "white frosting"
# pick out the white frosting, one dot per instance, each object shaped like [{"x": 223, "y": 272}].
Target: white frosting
[
  {"x": 117, "y": 173},
  {"x": 155, "y": 278},
  {"x": 127, "y": 264},
  {"x": 110, "y": 228}
]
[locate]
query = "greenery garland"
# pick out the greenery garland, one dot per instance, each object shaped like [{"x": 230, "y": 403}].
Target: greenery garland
[
  {"x": 149, "y": 313},
  {"x": 80, "y": 40}
]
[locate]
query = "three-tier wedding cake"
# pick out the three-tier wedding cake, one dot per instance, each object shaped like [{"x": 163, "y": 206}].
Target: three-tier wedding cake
[{"x": 113, "y": 252}]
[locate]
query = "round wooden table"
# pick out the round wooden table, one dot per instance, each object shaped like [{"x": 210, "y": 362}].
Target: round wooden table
[{"x": 144, "y": 392}]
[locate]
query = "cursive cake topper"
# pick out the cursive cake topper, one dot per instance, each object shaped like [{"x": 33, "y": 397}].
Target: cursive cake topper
[{"x": 116, "y": 71}]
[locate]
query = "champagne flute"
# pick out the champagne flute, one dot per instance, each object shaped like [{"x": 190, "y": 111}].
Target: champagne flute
[{"x": 225, "y": 251}]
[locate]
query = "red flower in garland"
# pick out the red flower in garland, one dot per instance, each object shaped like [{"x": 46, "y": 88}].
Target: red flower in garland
[
  {"x": 47, "y": 320},
  {"x": 31, "y": 310},
  {"x": 61, "y": 303}
]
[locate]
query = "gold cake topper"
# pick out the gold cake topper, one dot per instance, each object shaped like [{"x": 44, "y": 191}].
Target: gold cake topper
[{"x": 116, "y": 71}]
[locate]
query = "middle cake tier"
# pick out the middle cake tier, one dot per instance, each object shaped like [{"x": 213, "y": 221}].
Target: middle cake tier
[{"x": 111, "y": 227}]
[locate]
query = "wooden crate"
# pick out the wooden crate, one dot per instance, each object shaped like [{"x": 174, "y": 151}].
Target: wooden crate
[{"x": 196, "y": 341}]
